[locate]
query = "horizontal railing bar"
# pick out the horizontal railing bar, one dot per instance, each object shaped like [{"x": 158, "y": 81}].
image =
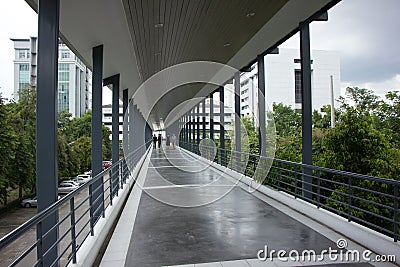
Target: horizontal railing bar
[
  {"x": 26, "y": 252},
  {"x": 19, "y": 231}
]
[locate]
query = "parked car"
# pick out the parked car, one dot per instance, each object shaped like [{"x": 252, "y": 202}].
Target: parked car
[
  {"x": 72, "y": 182},
  {"x": 80, "y": 180},
  {"x": 106, "y": 164},
  {"x": 85, "y": 176},
  {"x": 67, "y": 187},
  {"x": 88, "y": 172},
  {"x": 29, "y": 202}
]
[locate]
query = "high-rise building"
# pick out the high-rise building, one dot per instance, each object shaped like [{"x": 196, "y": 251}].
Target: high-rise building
[
  {"x": 283, "y": 80},
  {"x": 74, "y": 78}
]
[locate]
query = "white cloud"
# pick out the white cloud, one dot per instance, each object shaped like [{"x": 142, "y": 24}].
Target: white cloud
[
  {"x": 380, "y": 88},
  {"x": 17, "y": 20}
]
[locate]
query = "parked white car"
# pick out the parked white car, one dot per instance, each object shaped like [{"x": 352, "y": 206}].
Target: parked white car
[
  {"x": 29, "y": 202},
  {"x": 80, "y": 180},
  {"x": 67, "y": 187},
  {"x": 85, "y": 176}
]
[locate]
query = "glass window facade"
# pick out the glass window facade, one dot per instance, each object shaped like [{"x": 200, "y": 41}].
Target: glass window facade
[
  {"x": 23, "y": 53},
  {"x": 297, "y": 86},
  {"x": 63, "y": 87},
  {"x": 23, "y": 81},
  {"x": 64, "y": 54}
]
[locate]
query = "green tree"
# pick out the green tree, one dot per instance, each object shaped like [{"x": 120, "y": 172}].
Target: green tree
[
  {"x": 24, "y": 123},
  {"x": 8, "y": 144},
  {"x": 287, "y": 120}
]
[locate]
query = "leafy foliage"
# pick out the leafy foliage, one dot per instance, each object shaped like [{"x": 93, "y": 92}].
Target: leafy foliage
[{"x": 18, "y": 144}]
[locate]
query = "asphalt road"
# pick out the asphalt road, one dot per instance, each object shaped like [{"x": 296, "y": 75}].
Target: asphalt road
[{"x": 15, "y": 218}]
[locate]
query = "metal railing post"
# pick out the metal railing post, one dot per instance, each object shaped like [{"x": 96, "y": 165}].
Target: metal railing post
[
  {"x": 91, "y": 210},
  {"x": 111, "y": 186},
  {"x": 396, "y": 212},
  {"x": 39, "y": 246},
  {"x": 279, "y": 176},
  {"x": 120, "y": 174},
  {"x": 295, "y": 185},
  {"x": 73, "y": 235},
  {"x": 318, "y": 189},
  {"x": 349, "y": 197}
]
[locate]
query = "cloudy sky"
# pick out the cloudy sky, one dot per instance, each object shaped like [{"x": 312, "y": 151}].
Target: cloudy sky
[{"x": 365, "y": 32}]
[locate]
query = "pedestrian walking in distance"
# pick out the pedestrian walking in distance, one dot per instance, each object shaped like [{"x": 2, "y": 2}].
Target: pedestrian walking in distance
[
  {"x": 154, "y": 141},
  {"x": 173, "y": 141},
  {"x": 159, "y": 139}
]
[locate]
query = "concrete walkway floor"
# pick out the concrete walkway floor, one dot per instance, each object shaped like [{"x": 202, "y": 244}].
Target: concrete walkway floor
[{"x": 188, "y": 213}]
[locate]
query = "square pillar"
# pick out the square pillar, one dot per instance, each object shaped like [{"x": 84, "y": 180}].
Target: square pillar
[
  {"x": 222, "y": 125},
  {"x": 97, "y": 134},
  {"x": 212, "y": 116},
  {"x": 125, "y": 102},
  {"x": 261, "y": 106},
  {"x": 46, "y": 125},
  {"x": 306, "y": 108}
]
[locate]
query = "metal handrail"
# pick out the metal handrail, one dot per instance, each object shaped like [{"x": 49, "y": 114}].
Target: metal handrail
[
  {"x": 121, "y": 165},
  {"x": 287, "y": 176}
]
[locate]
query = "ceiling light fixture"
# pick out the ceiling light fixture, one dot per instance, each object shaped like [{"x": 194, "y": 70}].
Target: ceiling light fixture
[
  {"x": 159, "y": 25},
  {"x": 250, "y": 14}
]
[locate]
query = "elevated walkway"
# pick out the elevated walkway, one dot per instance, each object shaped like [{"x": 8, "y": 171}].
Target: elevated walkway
[{"x": 182, "y": 211}]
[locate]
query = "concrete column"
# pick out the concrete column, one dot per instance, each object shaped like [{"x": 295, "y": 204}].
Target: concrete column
[
  {"x": 203, "y": 104},
  {"x": 46, "y": 124},
  {"x": 198, "y": 124},
  {"x": 97, "y": 134},
  {"x": 212, "y": 116},
  {"x": 189, "y": 125},
  {"x": 222, "y": 124},
  {"x": 306, "y": 108},
  {"x": 194, "y": 125},
  {"x": 238, "y": 140},
  {"x": 238, "y": 136},
  {"x": 261, "y": 106},
  {"x": 131, "y": 126},
  {"x": 125, "y": 143},
  {"x": 115, "y": 132}
]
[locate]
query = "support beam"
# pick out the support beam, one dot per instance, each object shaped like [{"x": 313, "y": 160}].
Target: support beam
[
  {"x": 114, "y": 81},
  {"x": 261, "y": 106},
  {"x": 238, "y": 140},
  {"x": 141, "y": 129},
  {"x": 187, "y": 127},
  {"x": 125, "y": 144},
  {"x": 194, "y": 125},
  {"x": 212, "y": 116},
  {"x": 306, "y": 108},
  {"x": 238, "y": 136},
  {"x": 97, "y": 188},
  {"x": 203, "y": 104},
  {"x": 189, "y": 116},
  {"x": 131, "y": 127},
  {"x": 222, "y": 124},
  {"x": 198, "y": 124},
  {"x": 46, "y": 125},
  {"x": 137, "y": 129},
  {"x": 147, "y": 135}
]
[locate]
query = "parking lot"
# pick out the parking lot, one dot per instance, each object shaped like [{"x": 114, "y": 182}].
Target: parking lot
[{"x": 12, "y": 219}]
